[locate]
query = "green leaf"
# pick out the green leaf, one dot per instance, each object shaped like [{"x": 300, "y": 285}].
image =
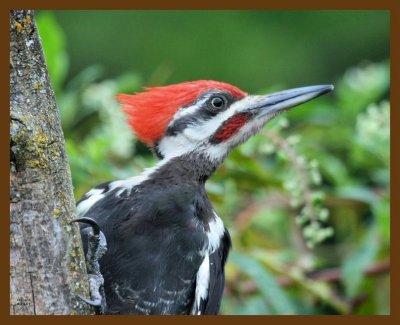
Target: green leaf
[
  {"x": 277, "y": 299},
  {"x": 359, "y": 193},
  {"x": 355, "y": 264}
]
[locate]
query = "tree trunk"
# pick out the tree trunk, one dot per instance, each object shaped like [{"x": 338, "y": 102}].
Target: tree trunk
[{"x": 47, "y": 267}]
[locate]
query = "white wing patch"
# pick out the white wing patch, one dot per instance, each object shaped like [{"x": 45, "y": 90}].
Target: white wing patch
[
  {"x": 93, "y": 196},
  {"x": 128, "y": 184},
  {"x": 215, "y": 233},
  {"x": 202, "y": 283}
]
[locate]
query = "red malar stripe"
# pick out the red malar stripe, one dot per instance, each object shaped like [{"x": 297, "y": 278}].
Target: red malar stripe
[{"x": 230, "y": 127}]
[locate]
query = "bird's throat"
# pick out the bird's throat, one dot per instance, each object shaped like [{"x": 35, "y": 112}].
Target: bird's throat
[{"x": 186, "y": 168}]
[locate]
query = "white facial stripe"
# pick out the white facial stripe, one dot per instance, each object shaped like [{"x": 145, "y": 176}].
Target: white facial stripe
[
  {"x": 204, "y": 130},
  {"x": 196, "y": 136},
  {"x": 215, "y": 152},
  {"x": 192, "y": 109},
  {"x": 174, "y": 146},
  {"x": 188, "y": 110},
  {"x": 218, "y": 151}
]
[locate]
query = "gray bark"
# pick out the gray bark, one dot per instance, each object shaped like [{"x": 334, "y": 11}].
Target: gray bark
[{"x": 47, "y": 267}]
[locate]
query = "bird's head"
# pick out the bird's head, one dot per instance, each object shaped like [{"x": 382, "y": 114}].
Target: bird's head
[{"x": 205, "y": 117}]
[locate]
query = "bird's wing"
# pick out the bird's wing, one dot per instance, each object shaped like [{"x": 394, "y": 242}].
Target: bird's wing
[
  {"x": 211, "y": 303},
  {"x": 152, "y": 253}
]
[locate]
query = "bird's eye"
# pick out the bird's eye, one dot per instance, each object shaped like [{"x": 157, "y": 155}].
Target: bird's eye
[{"x": 217, "y": 102}]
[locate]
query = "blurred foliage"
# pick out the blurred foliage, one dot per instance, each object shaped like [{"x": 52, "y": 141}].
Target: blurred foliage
[
  {"x": 307, "y": 202},
  {"x": 248, "y": 48}
]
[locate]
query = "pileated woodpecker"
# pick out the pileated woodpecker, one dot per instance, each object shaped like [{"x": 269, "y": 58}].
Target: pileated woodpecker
[{"x": 166, "y": 244}]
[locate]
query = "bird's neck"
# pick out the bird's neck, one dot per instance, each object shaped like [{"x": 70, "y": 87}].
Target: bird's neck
[{"x": 189, "y": 167}]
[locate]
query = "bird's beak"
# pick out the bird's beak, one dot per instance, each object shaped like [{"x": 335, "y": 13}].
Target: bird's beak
[{"x": 275, "y": 103}]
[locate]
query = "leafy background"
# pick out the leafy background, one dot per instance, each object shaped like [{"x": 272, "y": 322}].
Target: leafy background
[{"x": 307, "y": 200}]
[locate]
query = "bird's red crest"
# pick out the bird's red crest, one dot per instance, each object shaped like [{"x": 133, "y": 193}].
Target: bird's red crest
[{"x": 150, "y": 112}]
